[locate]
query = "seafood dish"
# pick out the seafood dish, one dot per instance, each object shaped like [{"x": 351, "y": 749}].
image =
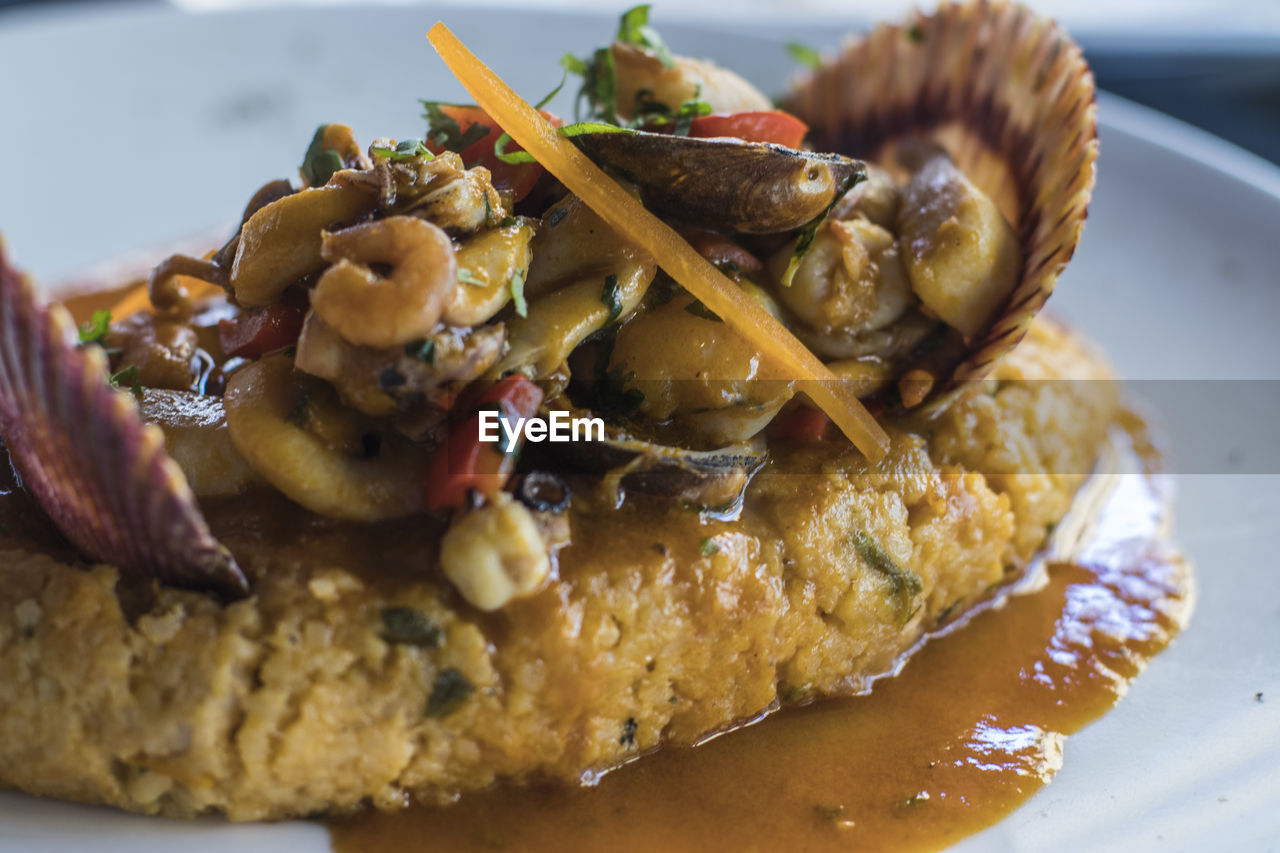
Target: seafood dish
[{"x": 306, "y": 523}]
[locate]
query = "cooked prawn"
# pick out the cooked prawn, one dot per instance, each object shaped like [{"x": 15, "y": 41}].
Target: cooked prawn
[{"x": 366, "y": 308}]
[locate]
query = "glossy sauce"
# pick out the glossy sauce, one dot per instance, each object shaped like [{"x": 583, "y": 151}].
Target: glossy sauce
[{"x": 971, "y": 727}]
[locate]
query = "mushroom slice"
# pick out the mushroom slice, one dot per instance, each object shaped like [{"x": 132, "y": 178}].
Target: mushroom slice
[{"x": 725, "y": 184}]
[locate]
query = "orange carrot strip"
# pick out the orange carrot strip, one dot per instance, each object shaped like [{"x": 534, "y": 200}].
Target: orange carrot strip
[{"x": 629, "y": 218}]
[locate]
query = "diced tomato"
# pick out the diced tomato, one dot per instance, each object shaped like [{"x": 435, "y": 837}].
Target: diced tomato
[
  {"x": 802, "y": 423},
  {"x": 258, "y": 331},
  {"x": 517, "y": 177},
  {"x": 719, "y": 249},
  {"x": 464, "y": 462},
  {"x": 776, "y": 126}
]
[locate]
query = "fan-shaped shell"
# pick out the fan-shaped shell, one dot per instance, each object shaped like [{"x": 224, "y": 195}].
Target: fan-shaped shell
[
  {"x": 1010, "y": 96},
  {"x": 96, "y": 468}
]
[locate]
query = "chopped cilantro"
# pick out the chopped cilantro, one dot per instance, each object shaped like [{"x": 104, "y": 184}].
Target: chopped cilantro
[
  {"x": 449, "y": 693},
  {"x": 708, "y": 547},
  {"x": 466, "y": 276},
  {"x": 629, "y": 729},
  {"x": 517, "y": 293},
  {"x": 300, "y": 414},
  {"x": 97, "y": 328},
  {"x": 404, "y": 150},
  {"x": 804, "y": 55},
  {"x": 406, "y": 626},
  {"x": 650, "y": 112},
  {"x": 319, "y": 163},
  {"x": 444, "y": 130},
  {"x": 609, "y": 296},
  {"x": 807, "y": 234},
  {"x": 633, "y": 28},
  {"x": 612, "y": 395},
  {"x": 423, "y": 350},
  {"x": 127, "y": 378},
  {"x": 697, "y": 309},
  {"x": 904, "y": 584}
]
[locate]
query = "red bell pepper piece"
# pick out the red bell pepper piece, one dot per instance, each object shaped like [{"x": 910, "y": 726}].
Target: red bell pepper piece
[
  {"x": 258, "y": 331},
  {"x": 776, "y": 126},
  {"x": 464, "y": 462}
]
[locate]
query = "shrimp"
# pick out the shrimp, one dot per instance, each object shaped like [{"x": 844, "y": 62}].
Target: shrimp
[{"x": 368, "y": 309}]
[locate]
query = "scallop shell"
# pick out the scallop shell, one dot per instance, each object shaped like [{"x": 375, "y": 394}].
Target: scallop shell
[
  {"x": 96, "y": 468},
  {"x": 1010, "y": 96}
]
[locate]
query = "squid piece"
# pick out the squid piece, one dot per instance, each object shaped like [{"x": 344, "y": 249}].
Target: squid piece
[
  {"x": 583, "y": 276},
  {"x": 371, "y": 310},
  {"x": 962, "y": 256},
  {"x": 317, "y": 453},
  {"x": 689, "y": 365},
  {"x": 491, "y": 259},
  {"x": 281, "y": 242}
]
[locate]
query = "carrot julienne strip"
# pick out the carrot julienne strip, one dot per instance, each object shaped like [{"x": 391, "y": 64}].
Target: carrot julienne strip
[{"x": 629, "y": 218}]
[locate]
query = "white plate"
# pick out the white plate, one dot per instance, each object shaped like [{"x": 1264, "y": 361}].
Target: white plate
[{"x": 126, "y": 128}]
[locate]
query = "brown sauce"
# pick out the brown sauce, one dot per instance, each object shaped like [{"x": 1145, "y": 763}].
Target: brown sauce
[{"x": 972, "y": 726}]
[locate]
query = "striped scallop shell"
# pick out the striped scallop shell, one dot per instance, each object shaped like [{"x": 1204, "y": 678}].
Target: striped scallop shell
[
  {"x": 1011, "y": 98},
  {"x": 96, "y": 468}
]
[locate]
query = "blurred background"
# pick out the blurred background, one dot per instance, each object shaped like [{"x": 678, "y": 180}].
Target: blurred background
[
  {"x": 1213, "y": 63},
  {"x": 132, "y": 123}
]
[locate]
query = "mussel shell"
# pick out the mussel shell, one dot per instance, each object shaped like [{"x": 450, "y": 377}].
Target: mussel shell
[
  {"x": 1011, "y": 97},
  {"x": 702, "y": 477},
  {"x": 95, "y": 467},
  {"x": 724, "y": 184}
]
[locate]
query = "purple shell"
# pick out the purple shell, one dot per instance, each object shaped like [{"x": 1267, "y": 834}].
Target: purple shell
[{"x": 98, "y": 470}]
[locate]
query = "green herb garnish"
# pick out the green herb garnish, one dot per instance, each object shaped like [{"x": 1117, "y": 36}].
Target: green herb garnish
[
  {"x": 466, "y": 276},
  {"x": 612, "y": 395},
  {"x": 904, "y": 585},
  {"x": 127, "y": 378},
  {"x": 649, "y": 112},
  {"x": 517, "y": 293},
  {"x": 810, "y": 231},
  {"x": 633, "y": 28},
  {"x": 557, "y": 214},
  {"x": 404, "y": 150},
  {"x": 629, "y": 729},
  {"x": 449, "y": 693},
  {"x": 804, "y": 55},
  {"x": 697, "y": 309},
  {"x": 423, "y": 350},
  {"x": 320, "y": 163},
  {"x": 609, "y": 296},
  {"x": 97, "y": 328},
  {"x": 409, "y": 627},
  {"x": 915, "y": 33},
  {"x": 708, "y": 547},
  {"x": 444, "y": 131},
  {"x": 569, "y": 131}
]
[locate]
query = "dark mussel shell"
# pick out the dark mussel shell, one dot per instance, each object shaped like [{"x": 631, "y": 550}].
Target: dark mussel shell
[
  {"x": 95, "y": 467},
  {"x": 725, "y": 184}
]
